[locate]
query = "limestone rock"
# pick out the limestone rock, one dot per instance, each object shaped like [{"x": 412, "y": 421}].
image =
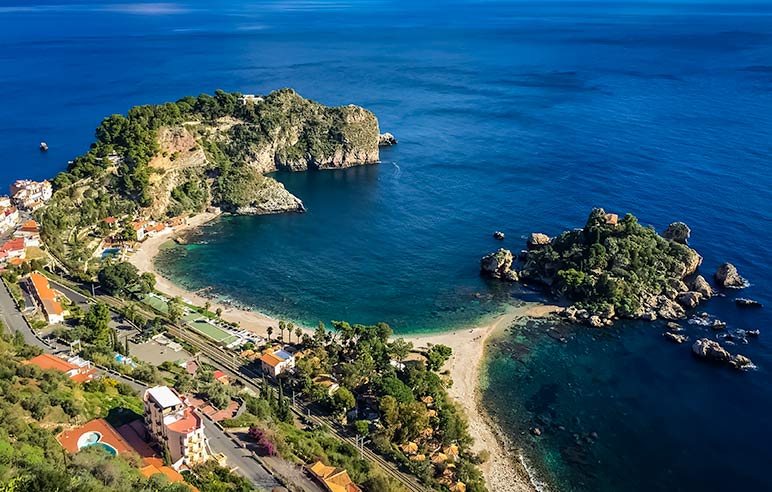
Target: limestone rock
[
  {"x": 511, "y": 276},
  {"x": 670, "y": 310},
  {"x": 675, "y": 337},
  {"x": 537, "y": 240},
  {"x": 497, "y": 264},
  {"x": 727, "y": 276},
  {"x": 710, "y": 349},
  {"x": 386, "y": 140},
  {"x": 595, "y": 321},
  {"x": 689, "y": 299},
  {"x": 699, "y": 284},
  {"x": 678, "y": 232},
  {"x": 740, "y": 362},
  {"x": 743, "y": 302},
  {"x": 673, "y": 326}
]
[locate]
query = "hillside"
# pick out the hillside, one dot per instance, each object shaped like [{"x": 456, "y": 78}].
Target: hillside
[{"x": 164, "y": 160}]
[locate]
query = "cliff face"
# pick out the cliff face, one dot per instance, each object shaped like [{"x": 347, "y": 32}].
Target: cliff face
[{"x": 282, "y": 132}]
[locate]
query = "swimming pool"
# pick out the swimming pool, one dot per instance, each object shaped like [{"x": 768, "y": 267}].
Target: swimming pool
[{"x": 94, "y": 438}]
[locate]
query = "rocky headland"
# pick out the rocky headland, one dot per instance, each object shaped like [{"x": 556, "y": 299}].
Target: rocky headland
[
  {"x": 161, "y": 161},
  {"x": 613, "y": 268}
]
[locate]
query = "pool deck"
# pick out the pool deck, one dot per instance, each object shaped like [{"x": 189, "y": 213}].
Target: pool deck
[{"x": 109, "y": 436}]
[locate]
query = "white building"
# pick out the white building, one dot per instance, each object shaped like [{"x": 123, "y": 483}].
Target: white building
[
  {"x": 31, "y": 195},
  {"x": 175, "y": 425},
  {"x": 275, "y": 363},
  {"x": 250, "y": 98}
]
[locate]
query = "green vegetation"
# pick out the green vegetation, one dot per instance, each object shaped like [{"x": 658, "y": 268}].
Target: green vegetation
[
  {"x": 35, "y": 405},
  {"x": 124, "y": 280},
  {"x": 609, "y": 265},
  {"x": 116, "y": 176}
]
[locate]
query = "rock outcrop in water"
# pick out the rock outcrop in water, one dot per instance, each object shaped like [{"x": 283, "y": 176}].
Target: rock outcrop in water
[
  {"x": 712, "y": 350},
  {"x": 610, "y": 268},
  {"x": 386, "y": 140},
  {"x": 727, "y": 276}
]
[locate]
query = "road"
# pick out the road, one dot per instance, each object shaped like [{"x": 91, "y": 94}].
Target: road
[{"x": 15, "y": 322}]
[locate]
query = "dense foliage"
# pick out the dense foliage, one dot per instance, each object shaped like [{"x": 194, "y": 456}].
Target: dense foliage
[
  {"x": 35, "y": 405},
  {"x": 608, "y": 264}
]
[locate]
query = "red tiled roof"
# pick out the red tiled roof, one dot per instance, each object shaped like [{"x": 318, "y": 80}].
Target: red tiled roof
[
  {"x": 46, "y": 295},
  {"x": 187, "y": 424},
  {"x": 29, "y": 226},
  {"x": 271, "y": 360},
  {"x": 16, "y": 244}
]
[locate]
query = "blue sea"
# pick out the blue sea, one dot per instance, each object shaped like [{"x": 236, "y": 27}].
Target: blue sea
[{"x": 512, "y": 116}]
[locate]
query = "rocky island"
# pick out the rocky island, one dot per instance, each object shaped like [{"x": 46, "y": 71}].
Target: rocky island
[
  {"x": 610, "y": 268},
  {"x": 166, "y": 160}
]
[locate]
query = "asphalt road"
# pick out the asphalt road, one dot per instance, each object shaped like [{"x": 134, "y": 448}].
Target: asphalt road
[{"x": 15, "y": 321}]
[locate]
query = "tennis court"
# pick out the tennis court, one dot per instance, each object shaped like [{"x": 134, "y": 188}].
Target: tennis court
[
  {"x": 209, "y": 330},
  {"x": 156, "y": 303}
]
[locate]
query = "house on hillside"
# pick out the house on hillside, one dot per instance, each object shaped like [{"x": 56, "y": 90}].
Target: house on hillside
[
  {"x": 77, "y": 369},
  {"x": 46, "y": 297},
  {"x": 275, "y": 363}
]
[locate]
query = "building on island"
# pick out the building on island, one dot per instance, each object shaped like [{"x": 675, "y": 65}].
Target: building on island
[
  {"x": 77, "y": 369},
  {"x": 250, "y": 99},
  {"x": 46, "y": 297},
  {"x": 275, "y": 363},
  {"x": 175, "y": 425},
  {"x": 333, "y": 479},
  {"x": 31, "y": 195}
]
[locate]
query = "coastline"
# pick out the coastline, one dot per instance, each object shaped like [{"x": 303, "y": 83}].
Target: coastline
[{"x": 503, "y": 470}]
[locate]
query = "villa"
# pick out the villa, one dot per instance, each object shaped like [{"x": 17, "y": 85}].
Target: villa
[
  {"x": 46, "y": 297},
  {"x": 14, "y": 248},
  {"x": 250, "y": 99},
  {"x": 77, "y": 369},
  {"x": 274, "y": 363},
  {"x": 175, "y": 425}
]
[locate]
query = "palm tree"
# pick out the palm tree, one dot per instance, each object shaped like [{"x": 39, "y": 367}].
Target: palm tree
[
  {"x": 282, "y": 327},
  {"x": 270, "y": 332},
  {"x": 207, "y": 305},
  {"x": 298, "y": 333}
]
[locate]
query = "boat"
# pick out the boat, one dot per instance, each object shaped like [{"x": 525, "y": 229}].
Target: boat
[{"x": 43, "y": 146}]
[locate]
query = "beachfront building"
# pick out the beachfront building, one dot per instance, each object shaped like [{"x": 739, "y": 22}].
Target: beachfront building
[
  {"x": 46, "y": 297},
  {"x": 175, "y": 425},
  {"x": 275, "y": 363},
  {"x": 333, "y": 479},
  {"x": 77, "y": 369},
  {"x": 31, "y": 195}
]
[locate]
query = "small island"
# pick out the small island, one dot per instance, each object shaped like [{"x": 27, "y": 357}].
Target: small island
[{"x": 610, "y": 268}]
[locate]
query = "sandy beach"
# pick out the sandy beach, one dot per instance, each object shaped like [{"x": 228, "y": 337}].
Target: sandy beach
[{"x": 503, "y": 470}]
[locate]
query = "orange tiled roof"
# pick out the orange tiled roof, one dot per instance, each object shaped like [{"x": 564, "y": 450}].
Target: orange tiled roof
[
  {"x": 13, "y": 245},
  {"x": 29, "y": 226},
  {"x": 187, "y": 424},
  {"x": 334, "y": 479},
  {"x": 46, "y": 294},
  {"x": 271, "y": 360},
  {"x": 48, "y": 361}
]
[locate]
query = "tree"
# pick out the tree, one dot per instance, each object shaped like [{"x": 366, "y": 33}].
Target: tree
[
  {"x": 175, "y": 309},
  {"x": 343, "y": 400},
  {"x": 389, "y": 411},
  {"x": 399, "y": 349},
  {"x": 282, "y": 327},
  {"x": 269, "y": 330},
  {"x": 298, "y": 333},
  {"x": 218, "y": 312},
  {"x": 97, "y": 325},
  {"x": 437, "y": 356},
  {"x": 207, "y": 305},
  {"x": 362, "y": 427}
]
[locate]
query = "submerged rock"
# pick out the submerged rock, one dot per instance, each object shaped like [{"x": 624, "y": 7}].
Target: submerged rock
[
  {"x": 498, "y": 235},
  {"x": 727, "y": 276},
  {"x": 710, "y": 349},
  {"x": 743, "y": 302},
  {"x": 675, "y": 337},
  {"x": 753, "y": 333},
  {"x": 673, "y": 326}
]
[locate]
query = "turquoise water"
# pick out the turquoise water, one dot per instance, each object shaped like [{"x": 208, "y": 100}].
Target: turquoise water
[
  {"x": 104, "y": 446},
  {"x": 512, "y": 116}
]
